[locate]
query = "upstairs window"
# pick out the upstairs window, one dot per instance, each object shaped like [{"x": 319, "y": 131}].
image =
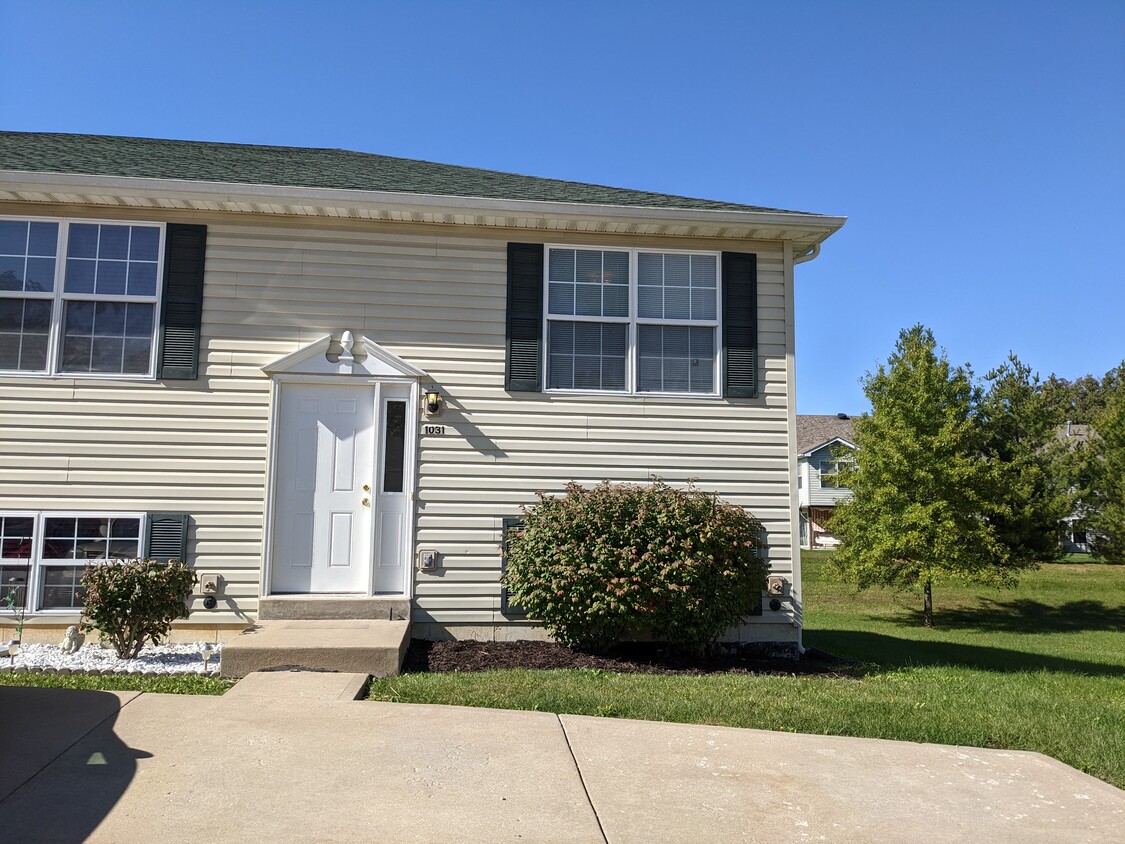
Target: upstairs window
[
  {"x": 830, "y": 471},
  {"x": 632, "y": 321},
  {"x": 79, "y": 298}
]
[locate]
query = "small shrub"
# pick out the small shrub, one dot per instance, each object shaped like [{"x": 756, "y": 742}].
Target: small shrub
[
  {"x": 619, "y": 560},
  {"x": 131, "y": 603}
]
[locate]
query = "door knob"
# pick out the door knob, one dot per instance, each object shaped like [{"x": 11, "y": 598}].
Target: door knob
[{"x": 367, "y": 502}]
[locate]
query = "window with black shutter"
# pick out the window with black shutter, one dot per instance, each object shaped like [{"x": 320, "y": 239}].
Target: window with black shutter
[
  {"x": 43, "y": 553},
  {"x": 632, "y": 321}
]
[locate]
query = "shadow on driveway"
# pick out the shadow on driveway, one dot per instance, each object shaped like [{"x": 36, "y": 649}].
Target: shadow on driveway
[{"x": 62, "y": 767}]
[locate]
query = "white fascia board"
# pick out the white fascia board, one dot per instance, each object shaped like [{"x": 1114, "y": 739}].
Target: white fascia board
[{"x": 35, "y": 182}]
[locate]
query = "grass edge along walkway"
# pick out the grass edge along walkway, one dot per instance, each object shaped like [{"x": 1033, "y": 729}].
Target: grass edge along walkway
[{"x": 178, "y": 684}]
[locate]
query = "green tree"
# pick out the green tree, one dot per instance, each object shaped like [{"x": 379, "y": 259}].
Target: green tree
[
  {"x": 1102, "y": 487},
  {"x": 1080, "y": 400},
  {"x": 920, "y": 486},
  {"x": 1029, "y": 462}
]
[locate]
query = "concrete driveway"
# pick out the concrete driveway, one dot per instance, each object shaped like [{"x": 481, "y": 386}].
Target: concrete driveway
[{"x": 291, "y": 757}]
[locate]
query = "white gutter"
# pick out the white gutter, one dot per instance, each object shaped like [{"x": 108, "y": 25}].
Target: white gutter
[{"x": 820, "y": 226}]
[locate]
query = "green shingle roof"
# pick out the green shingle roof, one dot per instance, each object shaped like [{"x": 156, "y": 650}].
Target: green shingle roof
[{"x": 106, "y": 155}]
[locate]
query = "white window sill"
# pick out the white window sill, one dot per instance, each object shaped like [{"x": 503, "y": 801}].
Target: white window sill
[
  {"x": 77, "y": 376},
  {"x": 623, "y": 394},
  {"x": 67, "y": 616}
]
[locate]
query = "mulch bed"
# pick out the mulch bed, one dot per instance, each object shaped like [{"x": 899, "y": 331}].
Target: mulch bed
[{"x": 634, "y": 658}]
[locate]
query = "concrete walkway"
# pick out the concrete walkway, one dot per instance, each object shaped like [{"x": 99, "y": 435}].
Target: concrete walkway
[{"x": 292, "y": 757}]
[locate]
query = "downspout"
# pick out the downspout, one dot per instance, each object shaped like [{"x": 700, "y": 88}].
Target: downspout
[
  {"x": 808, "y": 256},
  {"x": 813, "y": 251}
]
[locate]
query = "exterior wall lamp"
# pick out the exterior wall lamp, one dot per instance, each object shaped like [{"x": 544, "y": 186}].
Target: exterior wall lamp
[{"x": 433, "y": 402}]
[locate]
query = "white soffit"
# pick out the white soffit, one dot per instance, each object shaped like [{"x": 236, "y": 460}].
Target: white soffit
[{"x": 804, "y": 230}]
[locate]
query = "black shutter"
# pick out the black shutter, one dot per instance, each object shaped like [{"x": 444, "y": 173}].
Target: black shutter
[
  {"x": 740, "y": 325},
  {"x": 182, "y": 308},
  {"x": 764, "y": 537},
  {"x": 167, "y": 537},
  {"x": 525, "y": 317},
  {"x": 506, "y": 607}
]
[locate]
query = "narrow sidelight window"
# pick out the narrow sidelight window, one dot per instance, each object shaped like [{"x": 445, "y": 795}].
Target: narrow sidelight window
[{"x": 394, "y": 446}]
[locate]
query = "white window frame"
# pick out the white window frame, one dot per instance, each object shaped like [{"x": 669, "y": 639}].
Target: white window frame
[
  {"x": 632, "y": 323},
  {"x": 829, "y": 467},
  {"x": 37, "y": 564},
  {"x": 59, "y": 298}
]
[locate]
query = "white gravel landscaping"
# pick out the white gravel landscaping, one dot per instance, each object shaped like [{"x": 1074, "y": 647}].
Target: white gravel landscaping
[{"x": 94, "y": 659}]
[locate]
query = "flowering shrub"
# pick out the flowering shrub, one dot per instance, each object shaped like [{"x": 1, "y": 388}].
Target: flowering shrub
[
  {"x": 599, "y": 565},
  {"x": 131, "y": 603}
]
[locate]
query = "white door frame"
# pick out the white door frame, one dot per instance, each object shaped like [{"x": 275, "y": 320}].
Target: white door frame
[{"x": 277, "y": 384}]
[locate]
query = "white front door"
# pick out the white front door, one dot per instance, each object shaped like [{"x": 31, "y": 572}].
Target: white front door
[{"x": 322, "y": 520}]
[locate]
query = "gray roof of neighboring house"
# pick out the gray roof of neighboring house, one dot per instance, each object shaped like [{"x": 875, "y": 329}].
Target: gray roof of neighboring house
[
  {"x": 1073, "y": 433},
  {"x": 813, "y": 431},
  {"x": 105, "y": 155}
]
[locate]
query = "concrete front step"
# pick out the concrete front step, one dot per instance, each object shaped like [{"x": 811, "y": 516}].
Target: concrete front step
[
  {"x": 332, "y": 607},
  {"x": 358, "y": 646},
  {"x": 297, "y": 685}
]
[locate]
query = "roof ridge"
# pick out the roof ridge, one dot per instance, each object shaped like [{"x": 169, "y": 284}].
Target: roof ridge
[{"x": 328, "y": 167}]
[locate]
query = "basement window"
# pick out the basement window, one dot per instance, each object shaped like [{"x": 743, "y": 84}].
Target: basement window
[{"x": 43, "y": 555}]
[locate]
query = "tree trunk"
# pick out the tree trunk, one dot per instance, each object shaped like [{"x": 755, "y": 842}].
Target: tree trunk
[{"x": 927, "y": 604}]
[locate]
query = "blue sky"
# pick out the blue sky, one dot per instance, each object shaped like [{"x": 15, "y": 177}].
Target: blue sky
[{"x": 978, "y": 148}]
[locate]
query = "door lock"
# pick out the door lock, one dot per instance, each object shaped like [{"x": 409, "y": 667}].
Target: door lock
[
  {"x": 367, "y": 502},
  {"x": 367, "y": 487}
]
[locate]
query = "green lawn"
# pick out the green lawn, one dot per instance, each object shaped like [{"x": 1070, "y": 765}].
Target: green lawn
[
  {"x": 1039, "y": 668},
  {"x": 178, "y": 684}
]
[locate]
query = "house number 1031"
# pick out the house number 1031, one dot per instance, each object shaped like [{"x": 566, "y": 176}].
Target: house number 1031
[{"x": 433, "y": 430}]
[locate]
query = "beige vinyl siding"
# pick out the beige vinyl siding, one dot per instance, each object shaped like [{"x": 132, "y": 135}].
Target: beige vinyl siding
[{"x": 435, "y": 296}]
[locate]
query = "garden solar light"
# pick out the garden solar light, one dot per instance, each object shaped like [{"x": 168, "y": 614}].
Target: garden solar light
[{"x": 207, "y": 651}]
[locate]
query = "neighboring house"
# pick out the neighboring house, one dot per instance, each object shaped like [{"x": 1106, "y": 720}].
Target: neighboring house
[
  {"x": 319, "y": 372},
  {"x": 821, "y": 438},
  {"x": 818, "y": 437}
]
